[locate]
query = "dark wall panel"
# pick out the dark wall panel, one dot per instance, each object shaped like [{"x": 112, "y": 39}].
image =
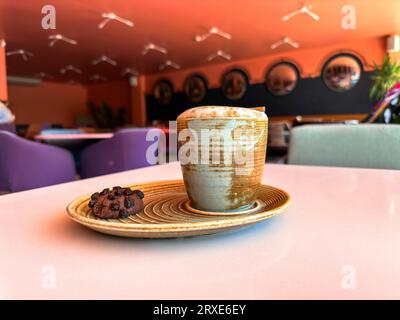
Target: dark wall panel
[{"x": 311, "y": 96}]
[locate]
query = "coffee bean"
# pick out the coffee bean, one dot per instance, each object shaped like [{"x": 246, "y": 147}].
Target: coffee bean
[
  {"x": 116, "y": 188},
  {"x": 128, "y": 192},
  {"x": 123, "y": 213},
  {"x": 95, "y": 196},
  {"x": 114, "y": 206},
  {"x": 104, "y": 192},
  {"x": 119, "y": 192},
  {"x": 111, "y": 197},
  {"x": 128, "y": 203},
  {"x": 139, "y": 193},
  {"x": 92, "y": 203}
]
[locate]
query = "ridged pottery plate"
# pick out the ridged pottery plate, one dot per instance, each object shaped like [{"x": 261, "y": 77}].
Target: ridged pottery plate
[{"x": 168, "y": 214}]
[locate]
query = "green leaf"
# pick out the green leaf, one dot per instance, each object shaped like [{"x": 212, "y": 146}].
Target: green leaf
[{"x": 384, "y": 78}]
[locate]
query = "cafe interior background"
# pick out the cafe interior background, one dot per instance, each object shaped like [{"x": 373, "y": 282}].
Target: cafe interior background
[{"x": 76, "y": 73}]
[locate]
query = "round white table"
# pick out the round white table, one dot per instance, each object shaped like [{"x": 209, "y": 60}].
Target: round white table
[{"x": 339, "y": 239}]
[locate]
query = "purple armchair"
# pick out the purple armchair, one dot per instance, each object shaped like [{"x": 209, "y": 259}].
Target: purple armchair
[
  {"x": 126, "y": 150},
  {"x": 10, "y": 127},
  {"x": 27, "y": 165}
]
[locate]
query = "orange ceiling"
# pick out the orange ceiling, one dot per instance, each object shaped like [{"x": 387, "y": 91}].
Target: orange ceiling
[{"x": 254, "y": 25}]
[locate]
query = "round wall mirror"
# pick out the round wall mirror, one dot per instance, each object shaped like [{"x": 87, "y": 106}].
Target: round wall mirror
[
  {"x": 195, "y": 88},
  {"x": 282, "y": 78},
  {"x": 342, "y": 72},
  {"x": 234, "y": 84},
  {"x": 163, "y": 91}
]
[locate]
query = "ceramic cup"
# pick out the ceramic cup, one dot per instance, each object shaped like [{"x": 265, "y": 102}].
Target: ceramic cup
[{"x": 222, "y": 153}]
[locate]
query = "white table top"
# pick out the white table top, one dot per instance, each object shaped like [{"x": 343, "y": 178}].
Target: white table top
[
  {"x": 339, "y": 239},
  {"x": 74, "y": 136}
]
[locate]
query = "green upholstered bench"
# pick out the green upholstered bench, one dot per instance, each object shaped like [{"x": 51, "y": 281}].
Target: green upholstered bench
[{"x": 361, "y": 145}]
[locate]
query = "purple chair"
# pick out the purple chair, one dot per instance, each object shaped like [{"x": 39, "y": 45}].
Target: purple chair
[
  {"x": 9, "y": 127},
  {"x": 126, "y": 150},
  {"x": 27, "y": 165}
]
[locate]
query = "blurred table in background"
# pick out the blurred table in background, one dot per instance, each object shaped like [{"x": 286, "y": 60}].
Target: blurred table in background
[
  {"x": 76, "y": 136},
  {"x": 74, "y": 140},
  {"x": 70, "y": 138}
]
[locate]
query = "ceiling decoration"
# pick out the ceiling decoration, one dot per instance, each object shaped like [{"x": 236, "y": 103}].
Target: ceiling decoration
[
  {"x": 105, "y": 59},
  {"x": 113, "y": 17},
  {"x": 153, "y": 47},
  {"x": 129, "y": 71},
  {"x": 70, "y": 68},
  {"x": 97, "y": 77},
  {"x": 170, "y": 28},
  {"x": 212, "y": 31},
  {"x": 43, "y": 75},
  {"x": 23, "y": 53},
  {"x": 285, "y": 40},
  {"x": 56, "y": 37},
  {"x": 170, "y": 64},
  {"x": 219, "y": 53},
  {"x": 303, "y": 9}
]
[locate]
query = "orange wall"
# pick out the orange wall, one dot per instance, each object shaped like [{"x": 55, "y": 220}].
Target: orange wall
[
  {"x": 121, "y": 94},
  {"x": 114, "y": 93},
  {"x": 48, "y": 102},
  {"x": 60, "y": 103},
  {"x": 3, "y": 75},
  {"x": 310, "y": 62}
]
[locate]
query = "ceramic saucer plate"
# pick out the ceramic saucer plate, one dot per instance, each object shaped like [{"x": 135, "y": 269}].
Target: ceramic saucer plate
[{"x": 167, "y": 213}]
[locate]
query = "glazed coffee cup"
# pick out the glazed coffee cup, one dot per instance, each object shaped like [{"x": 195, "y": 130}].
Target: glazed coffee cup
[{"x": 222, "y": 153}]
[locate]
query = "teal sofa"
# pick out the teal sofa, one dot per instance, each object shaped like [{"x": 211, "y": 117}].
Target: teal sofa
[{"x": 339, "y": 145}]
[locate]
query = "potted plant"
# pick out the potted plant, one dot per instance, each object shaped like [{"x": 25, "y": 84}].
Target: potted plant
[
  {"x": 104, "y": 117},
  {"x": 384, "y": 78}
]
